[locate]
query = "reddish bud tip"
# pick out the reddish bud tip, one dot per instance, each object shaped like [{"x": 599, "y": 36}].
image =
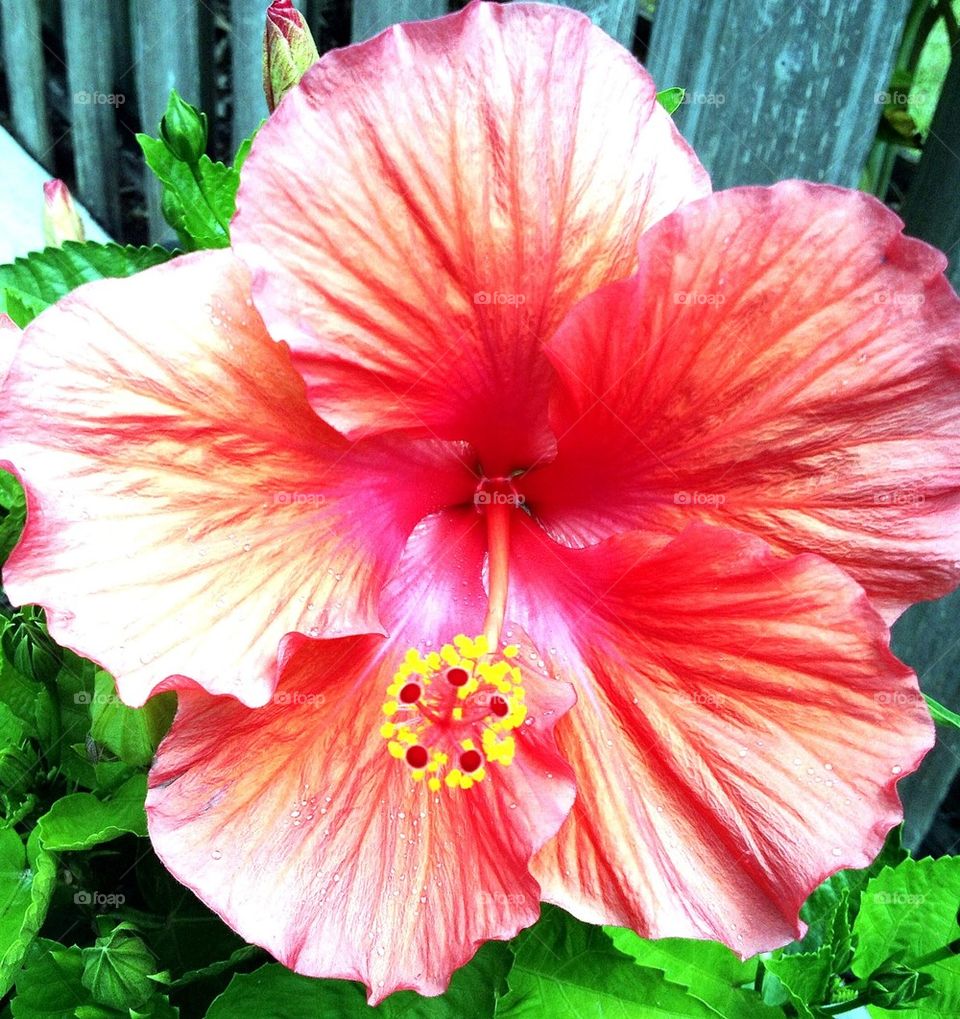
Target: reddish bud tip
[{"x": 288, "y": 51}]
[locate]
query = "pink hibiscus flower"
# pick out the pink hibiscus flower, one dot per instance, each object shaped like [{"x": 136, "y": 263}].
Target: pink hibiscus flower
[{"x": 549, "y": 423}]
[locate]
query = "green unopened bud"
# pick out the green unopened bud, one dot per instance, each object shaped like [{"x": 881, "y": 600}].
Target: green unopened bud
[
  {"x": 27, "y": 645},
  {"x": 61, "y": 221},
  {"x": 897, "y": 986},
  {"x": 184, "y": 130},
  {"x": 288, "y": 51}
]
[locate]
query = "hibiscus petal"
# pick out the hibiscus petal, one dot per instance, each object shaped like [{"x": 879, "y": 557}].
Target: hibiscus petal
[
  {"x": 785, "y": 362},
  {"x": 739, "y": 730},
  {"x": 423, "y": 210},
  {"x": 186, "y": 507},
  {"x": 296, "y": 825}
]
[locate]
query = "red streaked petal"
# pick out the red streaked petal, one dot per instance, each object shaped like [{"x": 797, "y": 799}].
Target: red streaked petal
[
  {"x": 413, "y": 182},
  {"x": 186, "y": 506},
  {"x": 739, "y": 729},
  {"x": 295, "y": 824},
  {"x": 785, "y": 362}
]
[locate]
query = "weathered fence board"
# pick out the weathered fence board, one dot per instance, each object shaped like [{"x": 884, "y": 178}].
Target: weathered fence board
[
  {"x": 93, "y": 99},
  {"x": 618, "y": 18},
  {"x": 20, "y": 25},
  {"x": 926, "y": 639},
  {"x": 249, "y": 108},
  {"x": 778, "y": 90},
  {"x": 166, "y": 52},
  {"x": 931, "y": 209},
  {"x": 372, "y": 16}
]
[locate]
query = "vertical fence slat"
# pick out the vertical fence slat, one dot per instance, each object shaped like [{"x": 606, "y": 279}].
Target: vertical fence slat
[
  {"x": 20, "y": 27},
  {"x": 925, "y": 638},
  {"x": 249, "y": 107},
  {"x": 88, "y": 32},
  {"x": 618, "y": 18},
  {"x": 166, "y": 56},
  {"x": 372, "y": 16},
  {"x": 931, "y": 210},
  {"x": 777, "y": 90}
]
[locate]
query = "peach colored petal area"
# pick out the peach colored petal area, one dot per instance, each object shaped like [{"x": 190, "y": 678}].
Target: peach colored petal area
[
  {"x": 739, "y": 730},
  {"x": 421, "y": 212},
  {"x": 298, "y": 827},
  {"x": 186, "y": 507},
  {"x": 9, "y": 341},
  {"x": 785, "y": 362}
]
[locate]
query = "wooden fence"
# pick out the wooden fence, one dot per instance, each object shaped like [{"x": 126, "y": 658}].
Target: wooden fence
[{"x": 774, "y": 89}]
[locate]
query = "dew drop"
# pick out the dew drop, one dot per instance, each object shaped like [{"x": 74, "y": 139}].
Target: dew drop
[
  {"x": 896, "y": 769},
  {"x": 835, "y": 851},
  {"x": 216, "y": 854}
]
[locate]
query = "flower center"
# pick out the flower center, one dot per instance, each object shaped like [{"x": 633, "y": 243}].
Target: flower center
[{"x": 451, "y": 712}]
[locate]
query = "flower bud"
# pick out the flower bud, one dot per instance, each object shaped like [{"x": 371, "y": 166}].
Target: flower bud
[
  {"x": 288, "y": 51},
  {"x": 184, "y": 130},
  {"x": 61, "y": 221},
  {"x": 898, "y": 986}
]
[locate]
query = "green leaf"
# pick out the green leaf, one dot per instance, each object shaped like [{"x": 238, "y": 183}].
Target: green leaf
[
  {"x": 671, "y": 99},
  {"x": 19, "y": 694},
  {"x": 50, "y": 986},
  {"x": 274, "y": 992},
  {"x": 941, "y": 713},
  {"x": 26, "y": 887},
  {"x": 34, "y": 282},
  {"x": 907, "y": 915},
  {"x": 80, "y": 820},
  {"x": 132, "y": 734},
  {"x": 198, "y": 200},
  {"x": 708, "y": 970},
  {"x": 13, "y": 512},
  {"x": 117, "y": 971},
  {"x": 805, "y": 977},
  {"x": 565, "y": 968}
]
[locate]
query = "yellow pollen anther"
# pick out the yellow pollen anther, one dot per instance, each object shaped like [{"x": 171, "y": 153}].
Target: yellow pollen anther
[{"x": 458, "y": 717}]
